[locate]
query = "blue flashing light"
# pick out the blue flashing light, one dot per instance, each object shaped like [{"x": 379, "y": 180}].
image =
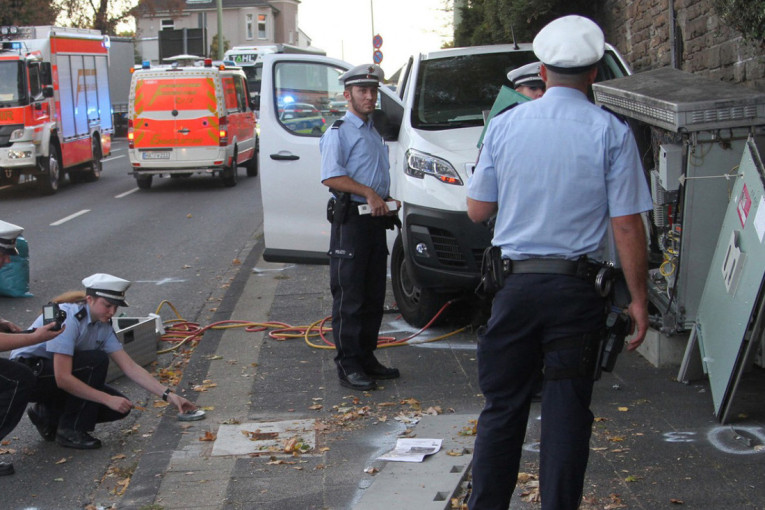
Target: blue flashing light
[
  {"x": 146, "y": 64},
  {"x": 288, "y": 99}
]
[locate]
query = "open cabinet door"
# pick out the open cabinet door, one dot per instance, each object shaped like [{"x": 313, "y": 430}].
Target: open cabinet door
[{"x": 730, "y": 318}]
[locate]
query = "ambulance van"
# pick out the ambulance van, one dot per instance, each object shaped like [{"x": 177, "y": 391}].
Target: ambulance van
[{"x": 188, "y": 118}]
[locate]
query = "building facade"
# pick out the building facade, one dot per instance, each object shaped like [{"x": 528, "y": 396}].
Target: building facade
[{"x": 245, "y": 22}]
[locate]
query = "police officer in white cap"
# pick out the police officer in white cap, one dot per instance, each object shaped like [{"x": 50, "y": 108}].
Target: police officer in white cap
[
  {"x": 551, "y": 227},
  {"x": 16, "y": 381},
  {"x": 526, "y": 80},
  {"x": 354, "y": 165},
  {"x": 71, "y": 390}
]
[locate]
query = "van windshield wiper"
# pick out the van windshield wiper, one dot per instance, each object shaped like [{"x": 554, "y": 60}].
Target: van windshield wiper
[{"x": 448, "y": 125}]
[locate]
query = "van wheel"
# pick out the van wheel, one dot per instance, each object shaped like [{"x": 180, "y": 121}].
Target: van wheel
[
  {"x": 50, "y": 166},
  {"x": 252, "y": 166},
  {"x": 143, "y": 181},
  {"x": 229, "y": 175},
  {"x": 417, "y": 305}
]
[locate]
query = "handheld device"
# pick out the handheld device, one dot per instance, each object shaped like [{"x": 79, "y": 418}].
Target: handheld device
[
  {"x": 52, "y": 313},
  {"x": 194, "y": 415},
  {"x": 365, "y": 209}
]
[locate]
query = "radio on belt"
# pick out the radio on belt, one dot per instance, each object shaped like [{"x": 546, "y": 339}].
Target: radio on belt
[{"x": 365, "y": 209}]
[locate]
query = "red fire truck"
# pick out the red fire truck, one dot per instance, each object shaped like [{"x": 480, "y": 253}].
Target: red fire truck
[{"x": 55, "y": 110}]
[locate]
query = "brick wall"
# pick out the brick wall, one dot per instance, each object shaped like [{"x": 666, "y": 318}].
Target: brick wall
[{"x": 640, "y": 30}]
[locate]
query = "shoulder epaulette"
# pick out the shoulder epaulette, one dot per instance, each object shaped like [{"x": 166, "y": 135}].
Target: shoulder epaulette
[
  {"x": 617, "y": 115},
  {"x": 337, "y": 124},
  {"x": 81, "y": 314}
]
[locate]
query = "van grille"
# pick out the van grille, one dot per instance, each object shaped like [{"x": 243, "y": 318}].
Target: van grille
[{"x": 447, "y": 248}]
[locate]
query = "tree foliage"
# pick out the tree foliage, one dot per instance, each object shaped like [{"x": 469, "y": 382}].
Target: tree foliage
[
  {"x": 746, "y": 16},
  {"x": 503, "y": 21},
  {"x": 27, "y": 12},
  {"x": 106, "y": 15}
]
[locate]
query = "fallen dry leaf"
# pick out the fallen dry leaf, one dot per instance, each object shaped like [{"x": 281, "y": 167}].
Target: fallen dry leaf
[
  {"x": 260, "y": 436},
  {"x": 371, "y": 470},
  {"x": 209, "y": 436},
  {"x": 61, "y": 460}
]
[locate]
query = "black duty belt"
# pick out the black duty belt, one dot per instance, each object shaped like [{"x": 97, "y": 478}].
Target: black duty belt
[{"x": 541, "y": 266}]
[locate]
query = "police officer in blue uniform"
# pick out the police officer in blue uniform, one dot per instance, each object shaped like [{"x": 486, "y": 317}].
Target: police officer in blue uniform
[
  {"x": 354, "y": 165},
  {"x": 16, "y": 381},
  {"x": 527, "y": 81},
  {"x": 71, "y": 391},
  {"x": 556, "y": 171}
]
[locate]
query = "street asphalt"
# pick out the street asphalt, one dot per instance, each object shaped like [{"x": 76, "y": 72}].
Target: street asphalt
[{"x": 281, "y": 433}]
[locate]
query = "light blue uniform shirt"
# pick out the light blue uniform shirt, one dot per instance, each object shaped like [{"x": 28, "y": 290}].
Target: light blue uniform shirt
[
  {"x": 357, "y": 150},
  {"x": 558, "y": 167},
  {"x": 79, "y": 335}
]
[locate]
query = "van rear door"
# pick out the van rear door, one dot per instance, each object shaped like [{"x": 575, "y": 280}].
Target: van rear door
[
  {"x": 175, "y": 109},
  {"x": 294, "y": 199}
]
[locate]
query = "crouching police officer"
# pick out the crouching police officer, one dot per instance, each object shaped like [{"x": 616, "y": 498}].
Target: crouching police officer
[
  {"x": 354, "y": 165},
  {"x": 71, "y": 391},
  {"x": 16, "y": 381},
  {"x": 548, "y": 226}
]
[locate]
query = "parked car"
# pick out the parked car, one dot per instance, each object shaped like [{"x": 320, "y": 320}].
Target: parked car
[{"x": 303, "y": 118}]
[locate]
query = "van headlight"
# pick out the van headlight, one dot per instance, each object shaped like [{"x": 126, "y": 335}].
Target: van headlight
[
  {"x": 420, "y": 164},
  {"x": 17, "y": 134}
]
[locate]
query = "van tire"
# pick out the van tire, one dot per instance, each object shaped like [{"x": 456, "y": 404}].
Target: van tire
[
  {"x": 417, "y": 305},
  {"x": 143, "y": 181},
  {"x": 252, "y": 166},
  {"x": 229, "y": 175},
  {"x": 94, "y": 168},
  {"x": 50, "y": 166}
]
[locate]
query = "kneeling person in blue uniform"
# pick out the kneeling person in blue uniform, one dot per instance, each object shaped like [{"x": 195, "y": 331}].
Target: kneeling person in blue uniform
[
  {"x": 354, "y": 165},
  {"x": 71, "y": 391}
]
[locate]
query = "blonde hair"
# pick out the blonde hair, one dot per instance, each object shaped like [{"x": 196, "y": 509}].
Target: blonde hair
[{"x": 72, "y": 296}]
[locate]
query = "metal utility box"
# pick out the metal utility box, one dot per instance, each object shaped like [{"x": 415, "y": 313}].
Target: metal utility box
[
  {"x": 700, "y": 128},
  {"x": 140, "y": 337}
]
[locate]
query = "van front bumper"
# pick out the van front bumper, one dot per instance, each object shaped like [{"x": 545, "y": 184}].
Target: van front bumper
[{"x": 443, "y": 248}]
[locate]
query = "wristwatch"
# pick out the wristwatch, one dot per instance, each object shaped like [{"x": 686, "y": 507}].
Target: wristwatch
[{"x": 167, "y": 392}]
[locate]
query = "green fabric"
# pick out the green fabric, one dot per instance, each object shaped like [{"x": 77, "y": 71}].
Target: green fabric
[{"x": 506, "y": 97}]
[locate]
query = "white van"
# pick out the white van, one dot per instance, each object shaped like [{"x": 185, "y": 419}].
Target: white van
[{"x": 432, "y": 124}]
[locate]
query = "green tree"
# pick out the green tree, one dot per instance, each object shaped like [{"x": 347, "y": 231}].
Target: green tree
[
  {"x": 106, "y": 15},
  {"x": 27, "y": 12},
  {"x": 214, "y": 46},
  {"x": 505, "y": 21},
  {"x": 746, "y": 16}
]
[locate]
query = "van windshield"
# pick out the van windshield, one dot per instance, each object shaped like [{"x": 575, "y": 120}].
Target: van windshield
[
  {"x": 454, "y": 92},
  {"x": 12, "y": 84}
]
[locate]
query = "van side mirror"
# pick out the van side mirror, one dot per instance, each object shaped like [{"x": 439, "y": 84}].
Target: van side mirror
[
  {"x": 47, "y": 91},
  {"x": 255, "y": 102}
]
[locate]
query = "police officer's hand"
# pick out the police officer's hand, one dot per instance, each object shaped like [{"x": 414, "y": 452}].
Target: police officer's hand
[
  {"x": 45, "y": 333},
  {"x": 119, "y": 404},
  {"x": 8, "y": 326},
  {"x": 181, "y": 403},
  {"x": 639, "y": 313},
  {"x": 378, "y": 205}
]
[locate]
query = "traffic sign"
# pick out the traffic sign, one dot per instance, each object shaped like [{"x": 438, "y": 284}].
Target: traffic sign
[
  {"x": 377, "y": 56},
  {"x": 377, "y": 41}
]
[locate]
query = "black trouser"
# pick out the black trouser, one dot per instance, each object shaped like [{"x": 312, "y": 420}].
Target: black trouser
[
  {"x": 16, "y": 384},
  {"x": 529, "y": 312},
  {"x": 357, "y": 268},
  {"x": 71, "y": 412}
]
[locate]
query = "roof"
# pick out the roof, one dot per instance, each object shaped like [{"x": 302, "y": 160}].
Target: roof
[{"x": 159, "y": 6}]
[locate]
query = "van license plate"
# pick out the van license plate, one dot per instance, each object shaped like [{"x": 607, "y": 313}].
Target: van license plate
[{"x": 155, "y": 155}]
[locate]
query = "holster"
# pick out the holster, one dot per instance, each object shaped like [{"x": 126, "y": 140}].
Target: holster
[
  {"x": 338, "y": 207},
  {"x": 492, "y": 273},
  {"x": 618, "y": 326},
  {"x": 34, "y": 364}
]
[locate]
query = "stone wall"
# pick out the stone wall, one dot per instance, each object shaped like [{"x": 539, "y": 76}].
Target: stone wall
[{"x": 640, "y": 30}]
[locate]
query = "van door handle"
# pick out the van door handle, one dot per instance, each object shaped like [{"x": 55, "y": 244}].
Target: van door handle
[
  {"x": 285, "y": 157},
  {"x": 184, "y": 131}
]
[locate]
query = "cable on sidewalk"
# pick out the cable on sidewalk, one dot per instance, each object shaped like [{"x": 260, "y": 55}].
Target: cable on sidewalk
[{"x": 180, "y": 331}]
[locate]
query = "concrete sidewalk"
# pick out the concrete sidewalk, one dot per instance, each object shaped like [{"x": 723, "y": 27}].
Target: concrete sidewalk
[{"x": 655, "y": 442}]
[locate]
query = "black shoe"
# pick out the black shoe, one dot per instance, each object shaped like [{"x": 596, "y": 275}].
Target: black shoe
[
  {"x": 357, "y": 381},
  {"x": 39, "y": 418},
  {"x": 380, "y": 371},
  {"x": 77, "y": 439},
  {"x": 6, "y": 468}
]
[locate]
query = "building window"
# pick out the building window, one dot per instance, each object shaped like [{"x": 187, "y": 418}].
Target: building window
[
  {"x": 262, "y": 34},
  {"x": 167, "y": 24},
  {"x": 249, "y": 22}
]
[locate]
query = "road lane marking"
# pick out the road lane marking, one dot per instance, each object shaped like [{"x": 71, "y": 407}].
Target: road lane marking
[
  {"x": 70, "y": 217},
  {"x": 112, "y": 158},
  {"x": 162, "y": 281},
  {"x": 126, "y": 193}
]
